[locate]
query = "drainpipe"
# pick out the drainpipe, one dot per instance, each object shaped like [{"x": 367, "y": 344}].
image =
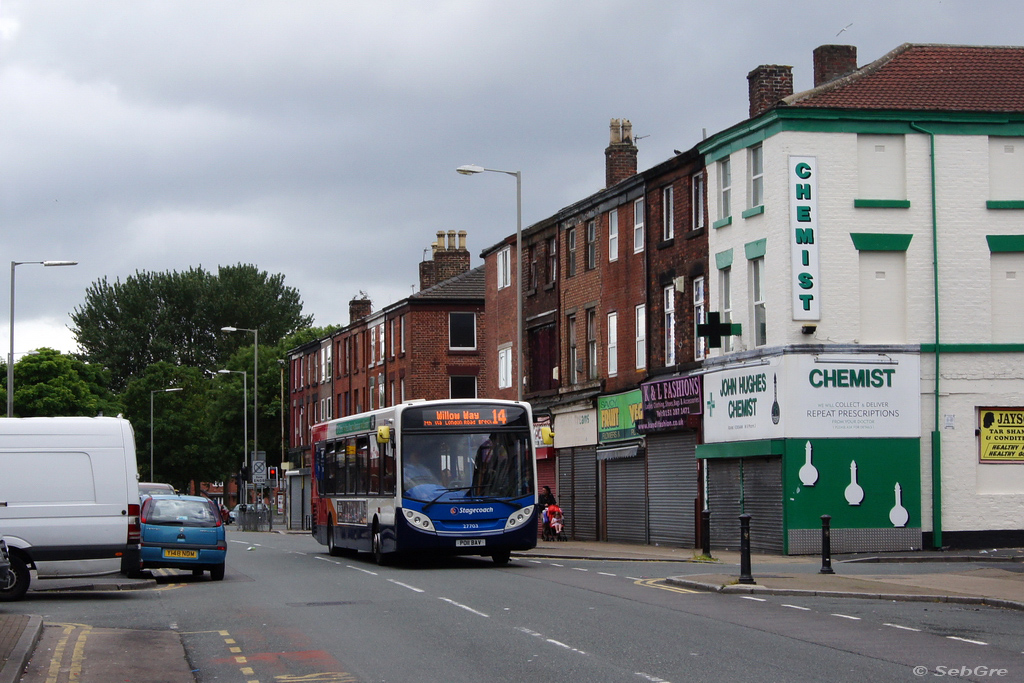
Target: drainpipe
[{"x": 936, "y": 433}]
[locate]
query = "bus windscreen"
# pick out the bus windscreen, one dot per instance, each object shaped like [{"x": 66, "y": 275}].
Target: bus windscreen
[{"x": 466, "y": 465}]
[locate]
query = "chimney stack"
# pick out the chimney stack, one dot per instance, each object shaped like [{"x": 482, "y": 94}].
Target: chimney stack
[
  {"x": 449, "y": 258},
  {"x": 620, "y": 155},
  {"x": 833, "y": 61},
  {"x": 359, "y": 307},
  {"x": 767, "y": 85}
]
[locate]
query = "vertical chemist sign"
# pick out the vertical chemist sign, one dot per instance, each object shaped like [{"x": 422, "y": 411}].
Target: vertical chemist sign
[{"x": 803, "y": 236}]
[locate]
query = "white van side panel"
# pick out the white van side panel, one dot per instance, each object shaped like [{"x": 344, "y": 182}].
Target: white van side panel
[{"x": 67, "y": 483}]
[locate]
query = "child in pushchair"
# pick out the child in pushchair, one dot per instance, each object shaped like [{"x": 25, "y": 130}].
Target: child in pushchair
[{"x": 553, "y": 523}]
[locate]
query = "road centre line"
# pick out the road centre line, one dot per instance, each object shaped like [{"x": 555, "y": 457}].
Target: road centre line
[
  {"x": 751, "y": 597},
  {"x": 903, "y": 628},
  {"x": 967, "y": 640},
  {"x": 607, "y": 574},
  {"x": 805, "y": 609},
  {"x": 845, "y": 616},
  {"x": 405, "y": 585},
  {"x": 465, "y": 607},
  {"x": 360, "y": 569}
]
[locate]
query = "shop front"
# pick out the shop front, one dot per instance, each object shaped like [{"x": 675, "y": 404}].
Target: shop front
[{"x": 793, "y": 436}]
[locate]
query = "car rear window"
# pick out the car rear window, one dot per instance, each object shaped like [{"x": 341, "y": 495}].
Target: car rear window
[{"x": 180, "y": 512}]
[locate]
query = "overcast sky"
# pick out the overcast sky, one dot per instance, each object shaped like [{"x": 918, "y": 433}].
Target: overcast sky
[{"x": 320, "y": 139}]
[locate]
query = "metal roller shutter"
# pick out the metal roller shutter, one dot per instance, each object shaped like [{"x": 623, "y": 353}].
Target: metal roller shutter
[
  {"x": 577, "y": 487},
  {"x": 626, "y": 500},
  {"x": 762, "y": 485},
  {"x": 672, "y": 488}
]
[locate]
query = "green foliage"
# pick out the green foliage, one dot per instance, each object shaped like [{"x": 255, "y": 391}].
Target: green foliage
[
  {"x": 177, "y": 318},
  {"x": 49, "y": 383}
]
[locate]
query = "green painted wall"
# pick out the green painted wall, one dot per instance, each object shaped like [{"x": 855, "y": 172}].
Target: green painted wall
[{"x": 881, "y": 463}]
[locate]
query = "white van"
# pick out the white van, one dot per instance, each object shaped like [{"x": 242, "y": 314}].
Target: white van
[{"x": 69, "y": 498}]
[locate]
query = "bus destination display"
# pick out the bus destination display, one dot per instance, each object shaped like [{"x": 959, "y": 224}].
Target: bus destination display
[{"x": 465, "y": 416}]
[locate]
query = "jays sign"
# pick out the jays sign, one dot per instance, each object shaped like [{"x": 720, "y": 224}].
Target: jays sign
[{"x": 803, "y": 229}]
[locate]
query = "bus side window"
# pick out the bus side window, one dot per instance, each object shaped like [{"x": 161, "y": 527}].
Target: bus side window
[
  {"x": 362, "y": 463},
  {"x": 328, "y": 469},
  {"x": 375, "y": 449}
]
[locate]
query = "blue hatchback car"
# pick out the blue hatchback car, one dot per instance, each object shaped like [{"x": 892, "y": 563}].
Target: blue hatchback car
[{"x": 183, "y": 532}]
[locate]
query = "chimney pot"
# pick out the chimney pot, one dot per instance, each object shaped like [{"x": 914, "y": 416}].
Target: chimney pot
[
  {"x": 767, "y": 85},
  {"x": 620, "y": 156}
]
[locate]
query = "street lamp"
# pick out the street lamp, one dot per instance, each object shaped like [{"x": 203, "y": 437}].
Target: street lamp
[
  {"x": 10, "y": 351},
  {"x": 152, "y": 475},
  {"x": 471, "y": 169},
  {"x": 255, "y": 379},
  {"x": 245, "y": 422}
]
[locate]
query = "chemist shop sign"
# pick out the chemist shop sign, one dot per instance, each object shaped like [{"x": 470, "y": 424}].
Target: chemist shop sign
[
  {"x": 742, "y": 403},
  {"x": 1002, "y": 435},
  {"x": 815, "y": 396}
]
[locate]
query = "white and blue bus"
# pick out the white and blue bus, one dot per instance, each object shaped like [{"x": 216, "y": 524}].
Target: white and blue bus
[{"x": 451, "y": 477}]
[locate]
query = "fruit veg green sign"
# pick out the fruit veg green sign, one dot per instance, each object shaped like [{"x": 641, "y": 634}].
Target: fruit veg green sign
[{"x": 618, "y": 415}]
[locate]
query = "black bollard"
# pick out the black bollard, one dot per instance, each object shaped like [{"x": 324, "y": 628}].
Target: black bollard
[
  {"x": 705, "y": 532},
  {"x": 745, "y": 576},
  {"x": 826, "y": 545}
]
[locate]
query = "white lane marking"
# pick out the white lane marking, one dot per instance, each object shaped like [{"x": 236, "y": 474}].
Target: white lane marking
[
  {"x": 846, "y": 616},
  {"x": 967, "y": 640},
  {"x": 360, "y": 569},
  {"x": 465, "y": 607},
  {"x": 535, "y": 562},
  {"x": 555, "y": 564},
  {"x": 581, "y": 569},
  {"x": 607, "y": 574},
  {"x": 405, "y": 585},
  {"x": 649, "y": 677},
  {"x": 805, "y": 609},
  {"x": 902, "y": 628},
  {"x": 633, "y": 578},
  {"x": 751, "y": 597},
  {"x": 548, "y": 640}
]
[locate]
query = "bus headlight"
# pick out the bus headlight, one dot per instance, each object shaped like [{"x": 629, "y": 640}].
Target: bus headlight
[
  {"x": 519, "y": 518},
  {"x": 418, "y": 520}
]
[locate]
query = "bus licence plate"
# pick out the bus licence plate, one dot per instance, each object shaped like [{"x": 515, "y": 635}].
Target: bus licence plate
[
  {"x": 469, "y": 542},
  {"x": 186, "y": 554}
]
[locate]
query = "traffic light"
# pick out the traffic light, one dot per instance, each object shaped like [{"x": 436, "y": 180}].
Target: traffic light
[{"x": 272, "y": 476}]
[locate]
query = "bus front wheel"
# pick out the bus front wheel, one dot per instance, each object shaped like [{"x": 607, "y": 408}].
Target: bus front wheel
[
  {"x": 502, "y": 557},
  {"x": 379, "y": 556}
]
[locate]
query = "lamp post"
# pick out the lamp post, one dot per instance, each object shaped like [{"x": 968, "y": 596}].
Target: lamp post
[
  {"x": 471, "y": 169},
  {"x": 255, "y": 380},
  {"x": 245, "y": 423},
  {"x": 10, "y": 351},
  {"x": 152, "y": 475}
]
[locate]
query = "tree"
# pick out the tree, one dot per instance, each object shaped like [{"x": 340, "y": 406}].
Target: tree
[
  {"x": 177, "y": 317},
  {"x": 181, "y": 447},
  {"x": 49, "y": 383}
]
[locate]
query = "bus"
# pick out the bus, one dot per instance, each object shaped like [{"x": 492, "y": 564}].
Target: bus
[{"x": 440, "y": 477}]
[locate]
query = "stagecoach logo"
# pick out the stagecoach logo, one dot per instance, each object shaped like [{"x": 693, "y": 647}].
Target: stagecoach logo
[{"x": 471, "y": 511}]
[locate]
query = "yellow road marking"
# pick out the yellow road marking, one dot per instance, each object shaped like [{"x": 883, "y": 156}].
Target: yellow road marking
[{"x": 660, "y": 583}]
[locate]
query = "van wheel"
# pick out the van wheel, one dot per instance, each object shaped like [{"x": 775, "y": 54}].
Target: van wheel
[
  {"x": 14, "y": 584},
  {"x": 217, "y": 573},
  {"x": 332, "y": 549}
]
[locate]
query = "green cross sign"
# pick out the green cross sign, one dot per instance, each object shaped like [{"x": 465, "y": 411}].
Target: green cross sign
[{"x": 714, "y": 329}]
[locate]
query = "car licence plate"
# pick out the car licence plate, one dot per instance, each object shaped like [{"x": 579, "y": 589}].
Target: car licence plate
[
  {"x": 183, "y": 554},
  {"x": 469, "y": 542}
]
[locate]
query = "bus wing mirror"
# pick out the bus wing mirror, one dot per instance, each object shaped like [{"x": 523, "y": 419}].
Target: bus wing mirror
[
  {"x": 547, "y": 435},
  {"x": 383, "y": 434}
]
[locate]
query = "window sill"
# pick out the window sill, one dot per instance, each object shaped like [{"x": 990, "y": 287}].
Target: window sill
[
  {"x": 695, "y": 233},
  {"x": 721, "y": 223},
  {"x": 463, "y": 352},
  {"x": 665, "y": 244},
  {"x": 755, "y": 211},
  {"x": 881, "y": 203},
  {"x": 549, "y": 286},
  {"x": 1004, "y": 204}
]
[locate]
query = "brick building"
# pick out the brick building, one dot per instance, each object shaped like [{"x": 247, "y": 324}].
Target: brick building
[
  {"x": 867, "y": 239},
  {"x": 428, "y": 345}
]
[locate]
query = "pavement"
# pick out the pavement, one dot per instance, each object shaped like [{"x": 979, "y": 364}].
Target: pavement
[{"x": 993, "y": 577}]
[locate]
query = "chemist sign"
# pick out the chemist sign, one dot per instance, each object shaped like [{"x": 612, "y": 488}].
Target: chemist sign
[
  {"x": 815, "y": 395},
  {"x": 803, "y": 237},
  {"x": 1002, "y": 434}
]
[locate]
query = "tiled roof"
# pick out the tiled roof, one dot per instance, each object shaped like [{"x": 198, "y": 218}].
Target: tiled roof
[
  {"x": 928, "y": 77},
  {"x": 469, "y": 285}
]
